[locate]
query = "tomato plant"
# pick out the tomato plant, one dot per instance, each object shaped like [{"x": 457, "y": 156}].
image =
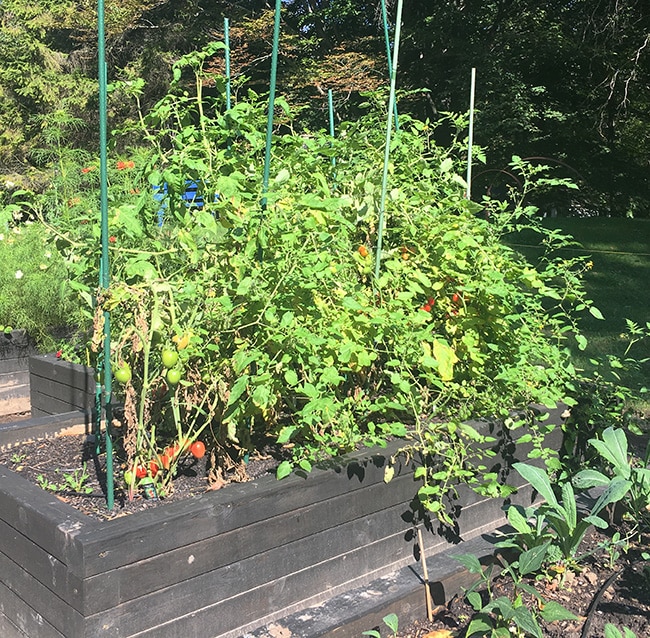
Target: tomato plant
[{"x": 279, "y": 325}]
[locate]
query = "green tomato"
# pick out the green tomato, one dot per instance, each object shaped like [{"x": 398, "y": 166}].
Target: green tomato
[
  {"x": 169, "y": 358},
  {"x": 123, "y": 374},
  {"x": 128, "y": 477},
  {"x": 173, "y": 376}
]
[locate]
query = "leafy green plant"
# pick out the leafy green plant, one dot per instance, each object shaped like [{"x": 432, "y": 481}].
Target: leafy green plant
[
  {"x": 560, "y": 518},
  {"x": 519, "y": 616},
  {"x": 34, "y": 290},
  {"x": 45, "y": 484},
  {"x": 286, "y": 332},
  {"x": 391, "y": 621},
  {"x": 612, "y": 449},
  {"x": 76, "y": 481},
  {"x": 611, "y": 631}
]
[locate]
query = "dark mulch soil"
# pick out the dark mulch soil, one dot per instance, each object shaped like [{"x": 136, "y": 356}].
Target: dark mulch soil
[
  {"x": 598, "y": 594},
  {"x": 47, "y": 462}
]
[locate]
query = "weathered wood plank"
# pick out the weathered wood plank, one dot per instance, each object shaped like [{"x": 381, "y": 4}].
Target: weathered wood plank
[
  {"x": 60, "y": 386},
  {"x": 21, "y": 621},
  {"x": 42, "y": 566},
  {"x": 118, "y": 542},
  {"x": 212, "y": 606},
  {"x": 49, "y": 523},
  {"x": 15, "y": 350},
  {"x": 44, "y": 603},
  {"x": 194, "y": 559},
  {"x": 49, "y": 367},
  {"x": 44, "y": 427}
]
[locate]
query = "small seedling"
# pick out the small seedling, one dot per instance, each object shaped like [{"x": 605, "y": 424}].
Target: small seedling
[
  {"x": 45, "y": 484},
  {"x": 76, "y": 481},
  {"x": 390, "y": 621},
  {"x": 612, "y": 632}
]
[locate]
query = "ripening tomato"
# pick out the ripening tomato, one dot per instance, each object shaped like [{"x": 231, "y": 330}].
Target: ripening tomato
[
  {"x": 198, "y": 449},
  {"x": 455, "y": 297},
  {"x": 173, "y": 376},
  {"x": 363, "y": 251},
  {"x": 165, "y": 461},
  {"x": 169, "y": 358},
  {"x": 123, "y": 374}
]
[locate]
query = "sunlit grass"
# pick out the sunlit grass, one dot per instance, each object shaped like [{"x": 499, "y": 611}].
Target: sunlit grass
[{"x": 619, "y": 285}]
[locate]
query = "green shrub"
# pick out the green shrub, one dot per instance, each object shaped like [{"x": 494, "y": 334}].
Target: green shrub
[
  {"x": 34, "y": 291},
  {"x": 270, "y": 300}
]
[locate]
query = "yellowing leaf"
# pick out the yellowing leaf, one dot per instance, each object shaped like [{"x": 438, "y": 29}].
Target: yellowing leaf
[{"x": 446, "y": 358}]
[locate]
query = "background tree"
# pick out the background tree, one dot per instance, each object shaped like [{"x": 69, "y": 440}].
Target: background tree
[{"x": 560, "y": 80}]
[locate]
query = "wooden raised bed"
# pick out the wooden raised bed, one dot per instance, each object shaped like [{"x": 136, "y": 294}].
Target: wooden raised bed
[
  {"x": 15, "y": 349},
  {"x": 215, "y": 566},
  {"x": 58, "y": 387}
]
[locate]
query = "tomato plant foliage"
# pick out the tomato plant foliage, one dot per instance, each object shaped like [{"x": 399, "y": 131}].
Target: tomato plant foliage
[{"x": 285, "y": 330}]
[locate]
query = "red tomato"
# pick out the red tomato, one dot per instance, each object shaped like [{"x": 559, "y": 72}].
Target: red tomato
[
  {"x": 165, "y": 461},
  {"x": 198, "y": 449},
  {"x": 140, "y": 472},
  {"x": 154, "y": 468}
]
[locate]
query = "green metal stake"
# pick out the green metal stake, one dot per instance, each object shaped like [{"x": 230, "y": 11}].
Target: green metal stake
[
  {"x": 104, "y": 266},
  {"x": 470, "y": 143},
  {"x": 226, "y": 41},
  {"x": 269, "y": 122},
  {"x": 389, "y": 128},
  {"x": 384, "y": 16}
]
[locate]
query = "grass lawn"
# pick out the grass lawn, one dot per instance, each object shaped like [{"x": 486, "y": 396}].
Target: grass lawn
[{"x": 618, "y": 284}]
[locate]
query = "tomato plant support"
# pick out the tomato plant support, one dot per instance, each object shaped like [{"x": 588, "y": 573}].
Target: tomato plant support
[
  {"x": 104, "y": 278},
  {"x": 389, "y": 129},
  {"x": 470, "y": 141},
  {"x": 226, "y": 41},
  {"x": 384, "y": 16},
  {"x": 269, "y": 121},
  {"x": 330, "y": 108}
]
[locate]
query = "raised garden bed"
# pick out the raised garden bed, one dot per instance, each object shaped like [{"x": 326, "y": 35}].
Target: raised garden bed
[
  {"x": 59, "y": 387},
  {"x": 218, "y": 565},
  {"x": 15, "y": 349}
]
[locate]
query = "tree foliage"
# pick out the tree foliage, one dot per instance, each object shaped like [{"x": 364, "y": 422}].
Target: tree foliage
[{"x": 560, "y": 80}]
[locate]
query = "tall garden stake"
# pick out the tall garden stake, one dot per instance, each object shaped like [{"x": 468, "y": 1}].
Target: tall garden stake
[
  {"x": 104, "y": 277},
  {"x": 269, "y": 122},
  {"x": 470, "y": 142},
  {"x": 389, "y": 128},
  {"x": 384, "y": 16},
  {"x": 226, "y": 41},
  {"x": 330, "y": 108}
]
